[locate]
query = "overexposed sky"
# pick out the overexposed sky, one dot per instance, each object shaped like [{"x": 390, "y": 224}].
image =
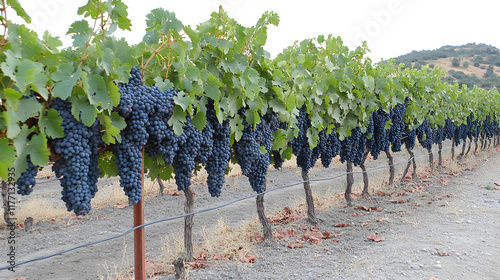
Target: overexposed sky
[{"x": 391, "y": 27}]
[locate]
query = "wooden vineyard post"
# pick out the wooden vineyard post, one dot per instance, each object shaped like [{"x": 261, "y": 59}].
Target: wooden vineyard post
[{"x": 139, "y": 248}]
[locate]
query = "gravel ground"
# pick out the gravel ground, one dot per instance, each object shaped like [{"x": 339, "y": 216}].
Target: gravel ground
[{"x": 445, "y": 226}]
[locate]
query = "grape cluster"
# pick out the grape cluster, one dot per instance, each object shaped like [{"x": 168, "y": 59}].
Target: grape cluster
[
  {"x": 26, "y": 181},
  {"x": 77, "y": 166},
  {"x": 217, "y": 161},
  {"x": 438, "y": 135},
  {"x": 397, "y": 127},
  {"x": 254, "y": 164},
  {"x": 136, "y": 104},
  {"x": 353, "y": 147},
  {"x": 409, "y": 138},
  {"x": 461, "y": 132},
  {"x": 449, "y": 129},
  {"x": 330, "y": 145},
  {"x": 147, "y": 111},
  {"x": 473, "y": 126},
  {"x": 424, "y": 135},
  {"x": 306, "y": 158},
  {"x": 380, "y": 137}
]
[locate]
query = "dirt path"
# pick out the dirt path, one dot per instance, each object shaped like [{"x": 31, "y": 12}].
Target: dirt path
[{"x": 447, "y": 232}]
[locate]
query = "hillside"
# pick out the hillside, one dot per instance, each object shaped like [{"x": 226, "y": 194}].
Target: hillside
[{"x": 471, "y": 64}]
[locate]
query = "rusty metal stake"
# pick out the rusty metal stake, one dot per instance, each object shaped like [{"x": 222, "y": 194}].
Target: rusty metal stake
[{"x": 139, "y": 248}]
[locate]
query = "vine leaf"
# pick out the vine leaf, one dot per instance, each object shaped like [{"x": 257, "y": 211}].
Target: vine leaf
[
  {"x": 112, "y": 127},
  {"x": 199, "y": 120},
  {"x": 36, "y": 148},
  {"x": 100, "y": 95},
  {"x": 14, "y": 4},
  {"x": 25, "y": 73},
  {"x": 81, "y": 108},
  {"x": 81, "y": 33},
  {"x": 12, "y": 97},
  {"x": 50, "y": 124},
  {"x": 162, "y": 84},
  {"x": 66, "y": 78},
  {"x": 212, "y": 89},
  {"x": 177, "y": 120},
  {"x": 7, "y": 159}
]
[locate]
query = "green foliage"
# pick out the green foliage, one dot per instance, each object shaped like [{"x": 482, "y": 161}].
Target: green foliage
[{"x": 218, "y": 60}]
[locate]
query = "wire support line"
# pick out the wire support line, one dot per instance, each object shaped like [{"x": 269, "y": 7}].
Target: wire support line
[{"x": 206, "y": 210}]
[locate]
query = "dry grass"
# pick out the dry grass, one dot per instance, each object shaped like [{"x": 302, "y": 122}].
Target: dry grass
[
  {"x": 41, "y": 209},
  {"x": 172, "y": 247},
  {"x": 231, "y": 242}
]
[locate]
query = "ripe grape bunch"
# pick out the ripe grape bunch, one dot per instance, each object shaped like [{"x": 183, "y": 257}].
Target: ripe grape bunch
[
  {"x": 306, "y": 158},
  {"x": 77, "y": 165},
  {"x": 26, "y": 181},
  {"x": 253, "y": 162},
  {"x": 380, "y": 138},
  {"x": 353, "y": 147},
  {"x": 397, "y": 127},
  {"x": 424, "y": 135},
  {"x": 217, "y": 160}
]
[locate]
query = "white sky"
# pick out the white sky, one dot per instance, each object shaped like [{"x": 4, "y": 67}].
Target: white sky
[{"x": 391, "y": 27}]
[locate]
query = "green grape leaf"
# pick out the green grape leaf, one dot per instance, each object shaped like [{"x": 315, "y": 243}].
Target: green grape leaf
[
  {"x": 177, "y": 120},
  {"x": 162, "y": 84},
  {"x": 211, "y": 87},
  {"x": 112, "y": 127},
  {"x": 199, "y": 120},
  {"x": 66, "y": 79},
  {"x": 14, "y": 4},
  {"x": 98, "y": 93},
  {"x": 119, "y": 14},
  {"x": 107, "y": 164},
  {"x": 81, "y": 108},
  {"x": 50, "y": 42},
  {"x": 91, "y": 9},
  {"x": 81, "y": 32},
  {"x": 36, "y": 148},
  {"x": 12, "y": 97},
  {"x": 50, "y": 124},
  {"x": 7, "y": 159}
]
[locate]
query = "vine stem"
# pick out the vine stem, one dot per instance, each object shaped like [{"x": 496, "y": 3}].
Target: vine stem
[
  {"x": 85, "y": 54},
  {"x": 3, "y": 42},
  {"x": 168, "y": 43}
]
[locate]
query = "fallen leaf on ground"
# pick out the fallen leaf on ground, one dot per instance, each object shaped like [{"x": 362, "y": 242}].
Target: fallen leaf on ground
[
  {"x": 295, "y": 245},
  {"x": 197, "y": 265},
  {"x": 200, "y": 254},
  {"x": 496, "y": 184},
  {"x": 284, "y": 233},
  {"x": 397, "y": 201},
  {"x": 247, "y": 258},
  {"x": 384, "y": 218},
  {"x": 220, "y": 257},
  {"x": 313, "y": 236},
  {"x": 362, "y": 208},
  {"x": 327, "y": 235},
  {"x": 121, "y": 205},
  {"x": 381, "y": 193},
  {"x": 375, "y": 238},
  {"x": 376, "y": 208},
  {"x": 341, "y": 225}
]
